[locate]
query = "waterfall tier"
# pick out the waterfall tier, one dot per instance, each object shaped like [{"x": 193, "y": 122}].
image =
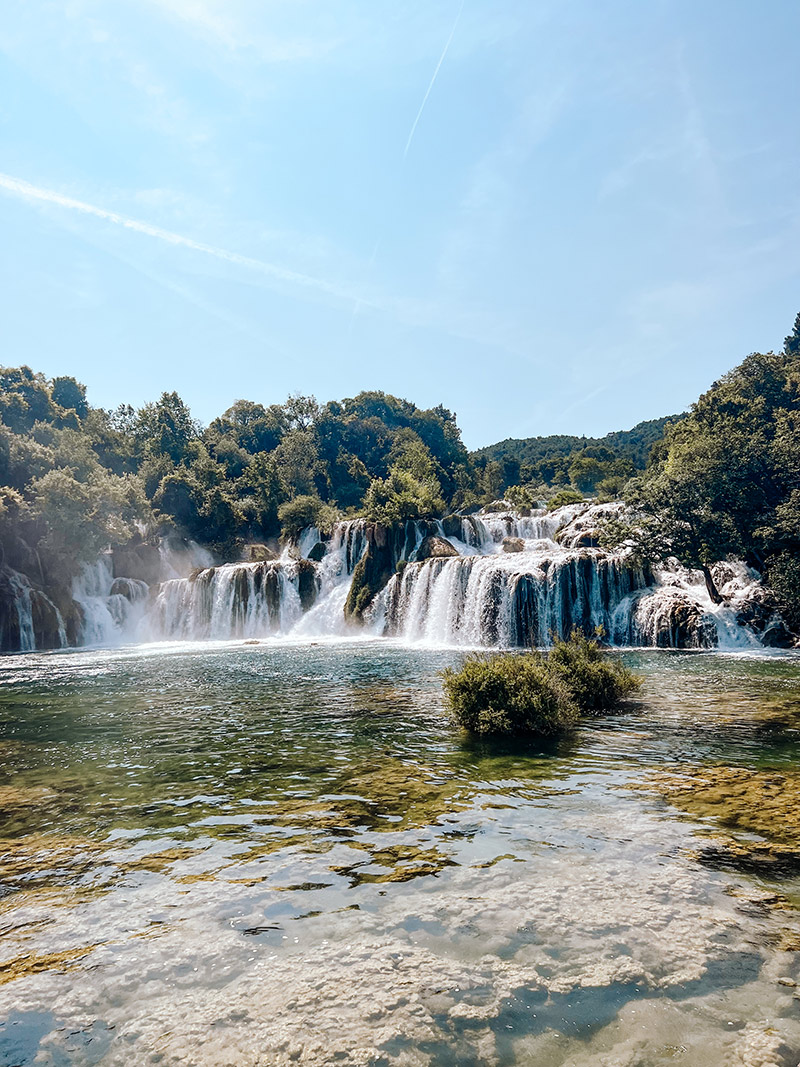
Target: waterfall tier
[{"x": 497, "y": 580}]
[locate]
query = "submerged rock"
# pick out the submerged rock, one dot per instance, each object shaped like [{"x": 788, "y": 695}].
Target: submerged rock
[{"x": 753, "y": 803}]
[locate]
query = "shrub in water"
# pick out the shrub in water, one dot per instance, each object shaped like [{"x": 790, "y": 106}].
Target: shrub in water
[
  {"x": 596, "y": 680},
  {"x": 507, "y": 695}
]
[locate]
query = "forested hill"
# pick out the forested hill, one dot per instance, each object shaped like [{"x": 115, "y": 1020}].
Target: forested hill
[{"x": 632, "y": 444}]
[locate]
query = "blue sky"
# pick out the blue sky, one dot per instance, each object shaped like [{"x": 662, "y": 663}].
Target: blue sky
[{"x": 551, "y": 217}]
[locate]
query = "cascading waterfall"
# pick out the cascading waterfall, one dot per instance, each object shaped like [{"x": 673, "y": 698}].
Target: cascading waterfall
[
  {"x": 28, "y": 617},
  {"x": 112, "y": 608},
  {"x": 23, "y": 599},
  {"x": 490, "y": 580},
  {"x": 234, "y": 600},
  {"x": 506, "y": 599}
]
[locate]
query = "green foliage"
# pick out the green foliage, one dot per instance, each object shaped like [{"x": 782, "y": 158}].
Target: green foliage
[
  {"x": 595, "y": 679},
  {"x": 82, "y": 517},
  {"x": 166, "y": 428},
  {"x": 304, "y": 511},
  {"x": 510, "y": 695},
  {"x": 585, "y": 463},
  {"x": 71, "y": 395},
  {"x": 403, "y": 496},
  {"x": 520, "y": 497},
  {"x": 725, "y": 481},
  {"x": 783, "y": 575},
  {"x": 564, "y": 497},
  {"x": 237, "y": 480}
]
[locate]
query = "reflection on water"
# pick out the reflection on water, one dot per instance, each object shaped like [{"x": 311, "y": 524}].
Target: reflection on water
[{"x": 275, "y": 854}]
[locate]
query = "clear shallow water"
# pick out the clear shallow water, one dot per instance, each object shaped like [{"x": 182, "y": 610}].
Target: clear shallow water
[{"x": 268, "y": 854}]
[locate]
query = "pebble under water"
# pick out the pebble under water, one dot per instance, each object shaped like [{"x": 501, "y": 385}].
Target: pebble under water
[{"x": 274, "y": 853}]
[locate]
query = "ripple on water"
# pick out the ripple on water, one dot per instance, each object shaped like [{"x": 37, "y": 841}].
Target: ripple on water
[{"x": 257, "y": 854}]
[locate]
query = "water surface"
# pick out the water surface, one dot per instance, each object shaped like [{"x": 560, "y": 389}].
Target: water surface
[{"x": 271, "y": 854}]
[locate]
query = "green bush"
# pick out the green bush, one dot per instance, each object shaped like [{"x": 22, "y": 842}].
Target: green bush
[
  {"x": 596, "y": 681},
  {"x": 507, "y": 695},
  {"x": 534, "y": 693},
  {"x": 564, "y": 496}
]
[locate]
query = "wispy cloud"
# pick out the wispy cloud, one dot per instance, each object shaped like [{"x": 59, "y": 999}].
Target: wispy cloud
[
  {"x": 455, "y": 321},
  {"x": 234, "y": 26},
  {"x": 445, "y": 50},
  {"x": 26, "y": 191}
]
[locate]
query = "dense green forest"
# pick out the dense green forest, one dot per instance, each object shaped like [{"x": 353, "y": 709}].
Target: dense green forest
[
  {"x": 725, "y": 481},
  {"x": 587, "y": 464},
  {"x": 75, "y": 478},
  {"x": 722, "y": 481}
]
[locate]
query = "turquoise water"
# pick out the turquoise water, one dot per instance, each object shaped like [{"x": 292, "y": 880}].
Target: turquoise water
[{"x": 272, "y": 854}]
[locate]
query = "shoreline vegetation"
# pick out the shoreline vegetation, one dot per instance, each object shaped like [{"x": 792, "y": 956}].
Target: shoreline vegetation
[
  {"x": 539, "y": 694},
  {"x": 719, "y": 483}
]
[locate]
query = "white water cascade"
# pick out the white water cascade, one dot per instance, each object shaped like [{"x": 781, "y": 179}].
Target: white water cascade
[
  {"x": 116, "y": 610},
  {"x": 494, "y": 580},
  {"x": 28, "y": 617},
  {"x": 519, "y": 581}
]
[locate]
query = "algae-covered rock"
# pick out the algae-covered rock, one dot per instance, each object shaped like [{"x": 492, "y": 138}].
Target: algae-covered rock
[
  {"x": 374, "y": 569},
  {"x": 452, "y": 526},
  {"x": 307, "y": 584},
  {"x": 258, "y": 553},
  {"x": 747, "y": 802}
]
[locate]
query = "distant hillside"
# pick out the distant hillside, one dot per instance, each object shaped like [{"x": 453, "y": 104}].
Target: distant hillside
[{"x": 632, "y": 444}]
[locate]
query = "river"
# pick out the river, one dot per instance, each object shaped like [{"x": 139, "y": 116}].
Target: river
[{"x": 285, "y": 853}]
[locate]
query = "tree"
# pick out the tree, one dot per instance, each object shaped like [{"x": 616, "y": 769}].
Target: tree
[
  {"x": 402, "y": 496},
  {"x": 303, "y": 511},
  {"x": 723, "y": 481},
  {"x": 791, "y": 345},
  {"x": 69, "y": 393},
  {"x": 167, "y": 428},
  {"x": 252, "y": 427}
]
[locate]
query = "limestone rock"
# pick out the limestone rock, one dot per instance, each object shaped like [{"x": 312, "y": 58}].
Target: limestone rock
[
  {"x": 434, "y": 547},
  {"x": 513, "y": 544}
]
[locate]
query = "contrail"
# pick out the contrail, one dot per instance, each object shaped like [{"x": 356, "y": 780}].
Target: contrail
[
  {"x": 26, "y": 191},
  {"x": 433, "y": 79}
]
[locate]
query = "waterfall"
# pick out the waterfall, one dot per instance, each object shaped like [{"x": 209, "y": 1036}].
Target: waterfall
[
  {"x": 506, "y": 599},
  {"x": 28, "y": 617},
  {"x": 112, "y": 608},
  {"x": 488, "y": 580},
  {"x": 23, "y": 602},
  {"x": 347, "y": 545},
  {"x": 234, "y": 600}
]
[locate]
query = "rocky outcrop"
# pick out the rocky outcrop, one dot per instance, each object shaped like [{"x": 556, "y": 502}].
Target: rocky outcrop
[
  {"x": 140, "y": 561},
  {"x": 433, "y": 547},
  {"x": 258, "y": 553},
  {"x": 386, "y": 546},
  {"x": 667, "y": 617},
  {"x": 513, "y": 544},
  {"x": 307, "y": 583},
  {"x": 131, "y": 588},
  {"x": 372, "y": 571}
]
